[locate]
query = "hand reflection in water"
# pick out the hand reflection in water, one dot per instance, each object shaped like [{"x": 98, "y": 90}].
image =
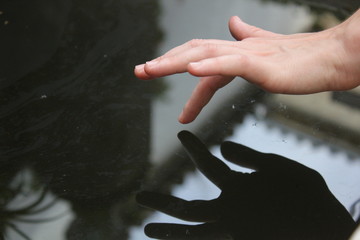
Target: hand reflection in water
[{"x": 281, "y": 199}]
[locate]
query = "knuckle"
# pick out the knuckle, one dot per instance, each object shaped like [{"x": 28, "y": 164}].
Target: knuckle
[
  {"x": 205, "y": 46},
  {"x": 195, "y": 42},
  {"x": 210, "y": 49},
  {"x": 254, "y": 29},
  {"x": 242, "y": 60}
]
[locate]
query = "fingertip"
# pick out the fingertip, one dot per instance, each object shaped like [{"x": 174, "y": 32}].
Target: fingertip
[
  {"x": 140, "y": 73},
  {"x": 234, "y": 19},
  {"x": 149, "y": 67},
  {"x": 195, "y": 68},
  {"x": 157, "y": 67},
  {"x": 183, "y": 134},
  {"x": 183, "y": 120},
  {"x": 236, "y": 27},
  {"x": 195, "y": 65},
  {"x": 153, "y": 230},
  {"x": 139, "y": 66},
  {"x": 227, "y": 149},
  {"x": 202, "y": 68},
  {"x": 138, "y": 69},
  {"x": 184, "y": 117}
]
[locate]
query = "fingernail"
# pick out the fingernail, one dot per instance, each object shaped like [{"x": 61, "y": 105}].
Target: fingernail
[
  {"x": 196, "y": 64},
  {"x": 139, "y": 67},
  {"x": 237, "y": 18},
  {"x": 152, "y": 63},
  {"x": 181, "y": 118}
]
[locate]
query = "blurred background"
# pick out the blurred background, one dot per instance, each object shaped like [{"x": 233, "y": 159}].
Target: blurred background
[{"x": 80, "y": 135}]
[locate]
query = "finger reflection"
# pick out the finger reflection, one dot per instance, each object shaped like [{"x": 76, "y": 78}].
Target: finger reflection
[{"x": 289, "y": 201}]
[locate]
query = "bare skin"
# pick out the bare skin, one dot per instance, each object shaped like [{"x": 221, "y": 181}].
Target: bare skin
[{"x": 292, "y": 64}]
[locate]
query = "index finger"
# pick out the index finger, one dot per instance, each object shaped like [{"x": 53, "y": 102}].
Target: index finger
[
  {"x": 178, "y": 63},
  {"x": 140, "y": 70},
  {"x": 196, "y": 43},
  {"x": 194, "y": 211},
  {"x": 213, "y": 168},
  {"x": 201, "y": 95}
]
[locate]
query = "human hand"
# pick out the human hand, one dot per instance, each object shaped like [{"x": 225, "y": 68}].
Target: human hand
[
  {"x": 292, "y": 64},
  {"x": 282, "y": 199}
]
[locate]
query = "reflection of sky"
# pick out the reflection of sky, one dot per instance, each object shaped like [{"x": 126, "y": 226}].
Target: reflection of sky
[{"x": 340, "y": 173}]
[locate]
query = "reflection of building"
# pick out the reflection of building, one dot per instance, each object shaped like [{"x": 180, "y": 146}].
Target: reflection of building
[{"x": 333, "y": 117}]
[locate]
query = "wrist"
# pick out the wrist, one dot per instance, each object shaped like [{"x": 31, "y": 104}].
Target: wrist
[
  {"x": 347, "y": 34},
  {"x": 351, "y": 33}
]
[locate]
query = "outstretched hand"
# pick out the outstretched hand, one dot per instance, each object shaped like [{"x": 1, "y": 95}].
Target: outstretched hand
[
  {"x": 293, "y": 64},
  {"x": 281, "y": 200}
]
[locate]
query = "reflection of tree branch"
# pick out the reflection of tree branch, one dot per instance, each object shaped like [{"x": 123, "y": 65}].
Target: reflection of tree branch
[
  {"x": 8, "y": 217},
  {"x": 18, "y": 231},
  {"x": 27, "y": 209},
  {"x": 43, "y": 220}
]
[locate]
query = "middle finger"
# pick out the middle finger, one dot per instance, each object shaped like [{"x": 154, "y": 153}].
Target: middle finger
[
  {"x": 168, "y": 65},
  {"x": 197, "y": 43}
]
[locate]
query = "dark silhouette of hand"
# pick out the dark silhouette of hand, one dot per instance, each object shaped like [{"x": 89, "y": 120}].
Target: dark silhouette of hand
[{"x": 281, "y": 199}]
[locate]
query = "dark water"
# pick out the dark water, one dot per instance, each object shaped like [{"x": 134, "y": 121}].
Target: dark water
[
  {"x": 73, "y": 113},
  {"x": 71, "y": 109}
]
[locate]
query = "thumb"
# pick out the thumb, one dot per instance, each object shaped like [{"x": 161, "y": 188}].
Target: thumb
[{"x": 241, "y": 30}]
